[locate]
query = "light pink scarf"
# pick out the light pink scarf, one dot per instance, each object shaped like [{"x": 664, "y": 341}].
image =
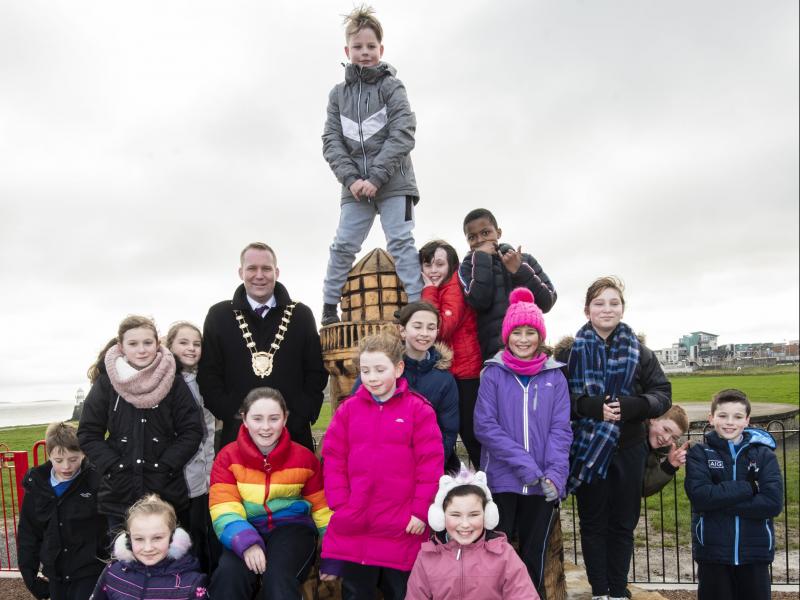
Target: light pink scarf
[{"x": 147, "y": 387}]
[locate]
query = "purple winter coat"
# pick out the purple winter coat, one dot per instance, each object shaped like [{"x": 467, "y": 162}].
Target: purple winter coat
[{"x": 524, "y": 432}]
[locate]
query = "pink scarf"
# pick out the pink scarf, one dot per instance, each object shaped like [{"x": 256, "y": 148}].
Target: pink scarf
[
  {"x": 524, "y": 367},
  {"x": 147, "y": 387}
]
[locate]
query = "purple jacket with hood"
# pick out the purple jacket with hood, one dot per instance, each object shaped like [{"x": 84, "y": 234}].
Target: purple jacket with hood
[{"x": 524, "y": 431}]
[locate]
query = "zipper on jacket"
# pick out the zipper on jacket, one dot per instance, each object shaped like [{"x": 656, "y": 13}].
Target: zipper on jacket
[
  {"x": 735, "y": 455},
  {"x": 360, "y": 130},
  {"x": 525, "y": 432},
  {"x": 769, "y": 534}
]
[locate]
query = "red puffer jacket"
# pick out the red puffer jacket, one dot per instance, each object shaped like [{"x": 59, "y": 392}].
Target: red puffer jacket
[{"x": 458, "y": 327}]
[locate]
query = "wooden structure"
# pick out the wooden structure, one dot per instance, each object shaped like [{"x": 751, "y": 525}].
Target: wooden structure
[{"x": 371, "y": 296}]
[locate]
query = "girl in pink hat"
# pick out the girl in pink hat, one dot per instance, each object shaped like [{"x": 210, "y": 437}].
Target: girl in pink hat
[{"x": 522, "y": 422}]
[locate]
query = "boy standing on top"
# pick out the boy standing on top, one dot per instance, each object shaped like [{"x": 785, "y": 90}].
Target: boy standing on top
[
  {"x": 734, "y": 483},
  {"x": 369, "y": 134},
  {"x": 490, "y": 271}
]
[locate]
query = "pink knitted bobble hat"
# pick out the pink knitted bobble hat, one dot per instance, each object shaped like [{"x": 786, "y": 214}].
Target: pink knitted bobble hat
[{"x": 522, "y": 310}]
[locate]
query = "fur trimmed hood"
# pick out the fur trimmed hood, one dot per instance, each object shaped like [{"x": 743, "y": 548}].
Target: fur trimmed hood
[
  {"x": 445, "y": 360},
  {"x": 178, "y": 547}
]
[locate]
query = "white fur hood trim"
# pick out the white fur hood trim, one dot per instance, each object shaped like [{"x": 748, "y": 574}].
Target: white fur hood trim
[{"x": 178, "y": 547}]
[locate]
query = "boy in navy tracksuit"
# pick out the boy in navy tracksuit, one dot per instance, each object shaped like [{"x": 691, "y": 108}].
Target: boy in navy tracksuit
[{"x": 734, "y": 483}]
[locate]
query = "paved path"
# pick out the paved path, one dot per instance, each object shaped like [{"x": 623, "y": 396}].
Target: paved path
[{"x": 762, "y": 412}]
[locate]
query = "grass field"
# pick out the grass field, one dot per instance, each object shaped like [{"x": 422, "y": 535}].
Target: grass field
[{"x": 767, "y": 387}]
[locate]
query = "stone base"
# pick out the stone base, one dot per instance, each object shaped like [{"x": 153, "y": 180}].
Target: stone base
[{"x": 578, "y": 587}]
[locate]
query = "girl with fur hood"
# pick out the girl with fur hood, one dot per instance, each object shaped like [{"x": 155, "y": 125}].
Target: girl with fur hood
[
  {"x": 140, "y": 424},
  {"x": 382, "y": 458},
  {"x": 465, "y": 558},
  {"x": 522, "y": 423},
  {"x": 151, "y": 558},
  {"x": 425, "y": 368}
]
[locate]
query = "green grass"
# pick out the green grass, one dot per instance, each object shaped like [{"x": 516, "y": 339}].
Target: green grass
[{"x": 767, "y": 387}]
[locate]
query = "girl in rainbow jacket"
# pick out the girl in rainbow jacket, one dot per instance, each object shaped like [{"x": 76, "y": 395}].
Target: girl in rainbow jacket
[{"x": 267, "y": 505}]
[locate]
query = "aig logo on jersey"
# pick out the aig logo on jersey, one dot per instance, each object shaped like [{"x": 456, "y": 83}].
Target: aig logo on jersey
[{"x": 715, "y": 463}]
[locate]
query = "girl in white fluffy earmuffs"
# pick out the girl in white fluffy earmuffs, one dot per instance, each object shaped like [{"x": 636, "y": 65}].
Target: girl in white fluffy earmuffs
[
  {"x": 465, "y": 558},
  {"x": 151, "y": 558}
]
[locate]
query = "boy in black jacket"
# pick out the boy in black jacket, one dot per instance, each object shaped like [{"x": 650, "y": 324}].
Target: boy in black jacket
[
  {"x": 734, "y": 484},
  {"x": 59, "y": 526},
  {"x": 490, "y": 271}
]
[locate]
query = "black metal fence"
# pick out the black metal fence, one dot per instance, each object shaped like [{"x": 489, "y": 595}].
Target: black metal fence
[{"x": 663, "y": 542}]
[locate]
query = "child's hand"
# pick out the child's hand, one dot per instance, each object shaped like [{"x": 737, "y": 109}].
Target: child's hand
[
  {"x": 488, "y": 246},
  {"x": 415, "y": 526},
  {"x": 677, "y": 456},
  {"x": 611, "y": 411},
  {"x": 426, "y": 281},
  {"x": 549, "y": 489},
  {"x": 255, "y": 560},
  {"x": 512, "y": 260},
  {"x": 356, "y": 188},
  {"x": 368, "y": 190}
]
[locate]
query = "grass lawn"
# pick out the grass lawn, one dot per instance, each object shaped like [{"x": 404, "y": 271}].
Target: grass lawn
[{"x": 767, "y": 387}]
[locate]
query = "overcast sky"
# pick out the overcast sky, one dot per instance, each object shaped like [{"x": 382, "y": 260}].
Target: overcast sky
[{"x": 143, "y": 144}]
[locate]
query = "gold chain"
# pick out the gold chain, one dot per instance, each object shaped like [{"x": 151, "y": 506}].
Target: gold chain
[{"x": 262, "y": 361}]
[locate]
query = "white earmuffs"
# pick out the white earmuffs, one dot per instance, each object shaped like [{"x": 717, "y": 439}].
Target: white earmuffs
[{"x": 491, "y": 516}]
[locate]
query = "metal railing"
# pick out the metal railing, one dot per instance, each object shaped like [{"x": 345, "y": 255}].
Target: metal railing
[{"x": 663, "y": 540}]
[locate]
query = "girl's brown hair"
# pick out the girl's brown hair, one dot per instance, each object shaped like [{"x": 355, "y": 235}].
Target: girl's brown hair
[
  {"x": 387, "y": 342},
  {"x": 404, "y": 314},
  {"x": 152, "y": 504},
  {"x": 94, "y": 371},
  {"x": 362, "y": 17},
  {"x": 427, "y": 252},
  {"x": 176, "y": 327},
  {"x": 263, "y": 393},
  {"x": 604, "y": 283},
  {"x": 135, "y": 322}
]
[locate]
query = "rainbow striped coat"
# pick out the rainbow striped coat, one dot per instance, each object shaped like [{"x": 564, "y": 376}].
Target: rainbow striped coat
[{"x": 252, "y": 494}]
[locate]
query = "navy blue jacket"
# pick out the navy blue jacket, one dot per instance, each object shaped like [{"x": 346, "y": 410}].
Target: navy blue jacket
[
  {"x": 431, "y": 378},
  {"x": 731, "y": 524}
]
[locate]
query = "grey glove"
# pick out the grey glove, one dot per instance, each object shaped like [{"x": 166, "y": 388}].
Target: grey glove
[{"x": 550, "y": 491}]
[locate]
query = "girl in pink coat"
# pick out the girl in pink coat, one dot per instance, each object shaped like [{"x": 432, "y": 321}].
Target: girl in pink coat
[
  {"x": 465, "y": 558},
  {"x": 382, "y": 458}
]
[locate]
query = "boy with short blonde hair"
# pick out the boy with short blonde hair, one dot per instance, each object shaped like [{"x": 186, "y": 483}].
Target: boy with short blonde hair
[
  {"x": 59, "y": 527},
  {"x": 734, "y": 483},
  {"x": 367, "y": 141}
]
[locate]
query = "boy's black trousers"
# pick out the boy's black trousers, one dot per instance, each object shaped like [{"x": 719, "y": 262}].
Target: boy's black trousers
[{"x": 732, "y": 582}]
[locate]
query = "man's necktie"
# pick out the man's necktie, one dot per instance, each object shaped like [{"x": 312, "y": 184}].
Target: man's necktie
[{"x": 261, "y": 311}]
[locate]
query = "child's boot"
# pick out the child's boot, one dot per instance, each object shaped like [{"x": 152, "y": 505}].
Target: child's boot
[{"x": 329, "y": 314}]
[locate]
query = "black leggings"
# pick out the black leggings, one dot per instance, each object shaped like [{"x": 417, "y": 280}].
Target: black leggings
[
  {"x": 608, "y": 510},
  {"x": 467, "y": 397}
]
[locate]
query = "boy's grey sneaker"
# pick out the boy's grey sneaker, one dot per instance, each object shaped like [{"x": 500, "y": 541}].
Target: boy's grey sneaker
[
  {"x": 329, "y": 314},
  {"x": 600, "y": 598}
]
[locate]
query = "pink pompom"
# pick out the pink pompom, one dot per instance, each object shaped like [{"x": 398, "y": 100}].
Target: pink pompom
[{"x": 520, "y": 294}]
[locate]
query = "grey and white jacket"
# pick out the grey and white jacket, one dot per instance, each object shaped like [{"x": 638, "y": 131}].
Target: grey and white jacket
[
  {"x": 369, "y": 132},
  {"x": 198, "y": 470}
]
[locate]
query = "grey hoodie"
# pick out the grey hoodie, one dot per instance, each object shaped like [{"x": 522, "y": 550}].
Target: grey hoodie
[{"x": 369, "y": 132}]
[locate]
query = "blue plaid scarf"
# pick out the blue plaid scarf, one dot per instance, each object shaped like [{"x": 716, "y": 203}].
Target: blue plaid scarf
[{"x": 595, "y": 370}]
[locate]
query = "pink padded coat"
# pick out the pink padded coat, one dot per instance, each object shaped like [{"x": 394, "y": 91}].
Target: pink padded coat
[
  {"x": 381, "y": 465},
  {"x": 488, "y": 569}
]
